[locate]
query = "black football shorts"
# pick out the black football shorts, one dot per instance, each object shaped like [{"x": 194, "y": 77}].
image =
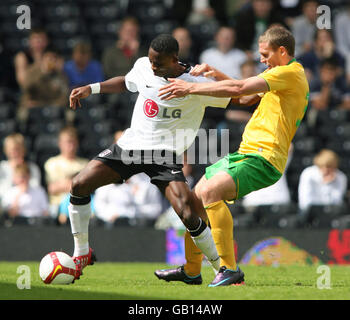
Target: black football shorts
[{"x": 159, "y": 165}]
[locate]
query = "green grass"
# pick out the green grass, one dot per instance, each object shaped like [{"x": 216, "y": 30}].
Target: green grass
[{"x": 135, "y": 281}]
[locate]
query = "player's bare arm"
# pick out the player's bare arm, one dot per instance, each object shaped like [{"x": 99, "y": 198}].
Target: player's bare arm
[
  {"x": 208, "y": 71},
  {"x": 225, "y": 88},
  {"x": 113, "y": 85},
  {"x": 246, "y": 101}
]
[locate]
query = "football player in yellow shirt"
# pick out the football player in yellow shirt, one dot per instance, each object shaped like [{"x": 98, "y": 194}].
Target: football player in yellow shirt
[{"x": 283, "y": 92}]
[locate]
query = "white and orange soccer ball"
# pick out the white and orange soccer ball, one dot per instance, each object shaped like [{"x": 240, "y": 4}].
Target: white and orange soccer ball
[{"x": 57, "y": 268}]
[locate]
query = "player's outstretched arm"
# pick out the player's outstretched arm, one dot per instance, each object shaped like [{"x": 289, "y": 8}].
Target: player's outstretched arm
[
  {"x": 225, "y": 88},
  {"x": 209, "y": 71},
  {"x": 77, "y": 94},
  {"x": 113, "y": 85}
]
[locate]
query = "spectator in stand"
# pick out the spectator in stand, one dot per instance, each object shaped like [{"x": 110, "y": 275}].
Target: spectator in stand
[
  {"x": 120, "y": 58},
  {"x": 323, "y": 48},
  {"x": 225, "y": 56},
  {"x": 252, "y": 21},
  {"x": 197, "y": 12},
  {"x": 204, "y": 11},
  {"x": 146, "y": 197},
  {"x": 45, "y": 84},
  {"x": 115, "y": 201},
  {"x": 304, "y": 27},
  {"x": 37, "y": 43},
  {"x": 236, "y": 117},
  {"x": 290, "y": 9},
  {"x": 238, "y": 113},
  {"x": 342, "y": 36},
  {"x": 15, "y": 151},
  {"x": 136, "y": 198},
  {"x": 22, "y": 199},
  {"x": 186, "y": 49},
  {"x": 329, "y": 90},
  {"x": 323, "y": 183},
  {"x": 82, "y": 70},
  {"x": 63, "y": 213},
  {"x": 60, "y": 169}
]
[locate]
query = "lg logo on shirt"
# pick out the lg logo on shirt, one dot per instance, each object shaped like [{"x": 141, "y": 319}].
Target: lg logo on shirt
[{"x": 151, "y": 109}]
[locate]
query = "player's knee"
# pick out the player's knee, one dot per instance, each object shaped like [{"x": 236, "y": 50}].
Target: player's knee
[
  {"x": 79, "y": 187},
  {"x": 208, "y": 194}
]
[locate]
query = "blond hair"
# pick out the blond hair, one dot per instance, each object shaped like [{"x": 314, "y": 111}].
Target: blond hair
[
  {"x": 22, "y": 169},
  {"x": 15, "y": 138},
  {"x": 326, "y": 158},
  {"x": 69, "y": 131},
  {"x": 278, "y": 36}
]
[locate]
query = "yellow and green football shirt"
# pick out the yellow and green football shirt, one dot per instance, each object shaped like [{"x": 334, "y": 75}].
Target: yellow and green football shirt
[{"x": 272, "y": 126}]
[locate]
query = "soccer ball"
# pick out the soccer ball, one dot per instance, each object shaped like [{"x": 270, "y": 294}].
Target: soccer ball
[{"x": 57, "y": 268}]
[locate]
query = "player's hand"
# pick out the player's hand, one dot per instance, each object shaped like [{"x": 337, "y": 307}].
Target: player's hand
[
  {"x": 176, "y": 89},
  {"x": 208, "y": 72},
  {"x": 77, "y": 94},
  {"x": 201, "y": 69}
]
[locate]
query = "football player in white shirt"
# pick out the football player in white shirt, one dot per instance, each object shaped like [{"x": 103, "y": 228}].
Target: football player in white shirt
[{"x": 153, "y": 133}]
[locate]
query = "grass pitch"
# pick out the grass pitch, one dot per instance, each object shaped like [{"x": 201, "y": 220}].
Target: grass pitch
[{"x": 136, "y": 281}]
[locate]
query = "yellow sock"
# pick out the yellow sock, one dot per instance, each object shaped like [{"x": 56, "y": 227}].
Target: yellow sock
[
  {"x": 222, "y": 230},
  {"x": 193, "y": 257}
]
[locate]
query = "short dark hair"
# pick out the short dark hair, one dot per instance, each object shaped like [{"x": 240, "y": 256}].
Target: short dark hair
[
  {"x": 331, "y": 62},
  {"x": 165, "y": 43},
  {"x": 52, "y": 49},
  {"x": 278, "y": 36}
]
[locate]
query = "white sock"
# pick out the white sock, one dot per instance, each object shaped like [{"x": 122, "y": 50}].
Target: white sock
[
  {"x": 205, "y": 243},
  {"x": 79, "y": 216}
]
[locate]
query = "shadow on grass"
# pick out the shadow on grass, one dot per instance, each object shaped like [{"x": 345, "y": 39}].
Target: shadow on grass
[{"x": 11, "y": 292}]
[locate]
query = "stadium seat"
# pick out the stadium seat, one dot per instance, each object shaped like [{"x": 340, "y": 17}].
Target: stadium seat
[
  {"x": 149, "y": 30},
  {"x": 45, "y": 113},
  {"x": 307, "y": 145},
  {"x": 104, "y": 29},
  {"x": 340, "y": 146},
  {"x": 300, "y": 162},
  {"x": 150, "y": 12},
  {"x": 271, "y": 215},
  {"x": 45, "y": 127},
  {"x": 7, "y": 127},
  {"x": 339, "y": 115},
  {"x": 96, "y": 12},
  {"x": 70, "y": 27},
  {"x": 302, "y": 132},
  {"x": 343, "y": 130},
  {"x": 7, "y": 111},
  {"x": 320, "y": 216},
  {"x": 44, "y": 147},
  {"x": 342, "y": 222},
  {"x": 46, "y": 142},
  {"x": 61, "y": 11},
  {"x": 92, "y": 145},
  {"x": 236, "y": 209}
]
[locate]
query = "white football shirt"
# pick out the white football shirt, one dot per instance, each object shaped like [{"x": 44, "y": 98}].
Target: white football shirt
[{"x": 163, "y": 125}]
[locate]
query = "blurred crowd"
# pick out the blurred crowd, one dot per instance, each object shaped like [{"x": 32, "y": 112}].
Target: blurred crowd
[{"x": 44, "y": 143}]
